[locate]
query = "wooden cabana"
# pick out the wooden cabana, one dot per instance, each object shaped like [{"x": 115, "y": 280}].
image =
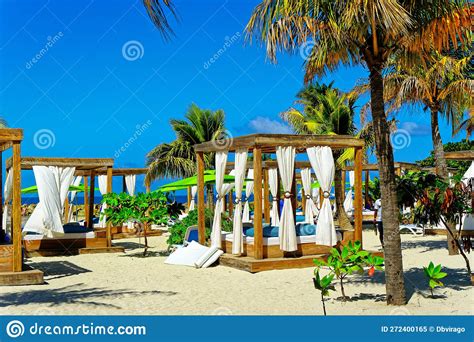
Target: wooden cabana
[
  {"x": 257, "y": 256},
  {"x": 102, "y": 241},
  {"x": 12, "y": 269}
]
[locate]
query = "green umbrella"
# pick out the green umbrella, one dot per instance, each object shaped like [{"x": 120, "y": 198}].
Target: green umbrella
[{"x": 209, "y": 178}]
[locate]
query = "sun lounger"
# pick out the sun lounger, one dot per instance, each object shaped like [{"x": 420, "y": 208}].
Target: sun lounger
[{"x": 413, "y": 228}]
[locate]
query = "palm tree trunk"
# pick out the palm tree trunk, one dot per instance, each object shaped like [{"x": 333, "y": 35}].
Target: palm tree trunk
[
  {"x": 440, "y": 160},
  {"x": 344, "y": 221},
  {"x": 442, "y": 171},
  {"x": 395, "y": 285}
]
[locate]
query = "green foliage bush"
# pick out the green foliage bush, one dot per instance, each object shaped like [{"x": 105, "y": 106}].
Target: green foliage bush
[
  {"x": 461, "y": 166},
  {"x": 178, "y": 230}
]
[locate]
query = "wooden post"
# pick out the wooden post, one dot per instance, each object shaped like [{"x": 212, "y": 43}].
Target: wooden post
[
  {"x": 231, "y": 202},
  {"x": 109, "y": 190},
  {"x": 257, "y": 203},
  {"x": 303, "y": 200},
  {"x": 189, "y": 197},
  {"x": 90, "y": 221},
  {"x": 86, "y": 201},
  {"x": 358, "y": 195},
  {"x": 66, "y": 210},
  {"x": 16, "y": 209},
  {"x": 124, "y": 183},
  {"x": 200, "y": 198},
  {"x": 266, "y": 197},
  {"x": 294, "y": 200},
  {"x": 367, "y": 172}
]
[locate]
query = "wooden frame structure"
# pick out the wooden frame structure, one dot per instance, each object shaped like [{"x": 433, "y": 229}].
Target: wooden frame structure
[
  {"x": 103, "y": 240},
  {"x": 12, "y": 269},
  {"x": 258, "y": 257}
]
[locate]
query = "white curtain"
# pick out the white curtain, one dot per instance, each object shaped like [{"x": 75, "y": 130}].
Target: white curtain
[
  {"x": 310, "y": 207},
  {"x": 287, "y": 232},
  {"x": 103, "y": 190},
  {"x": 53, "y": 185},
  {"x": 192, "y": 203},
  {"x": 130, "y": 183},
  {"x": 7, "y": 193},
  {"x": 348, "y": 201},
  {"x": 322, "y": 162},
  {"x": 72, "y": 196},
  {"x": 248, "y": 192},
  {"x": 273, "y": 185},
  {"x": 316, "y": 201},
  {"x": 240, "y": 166},
  {"x": 221, "y": 161}
]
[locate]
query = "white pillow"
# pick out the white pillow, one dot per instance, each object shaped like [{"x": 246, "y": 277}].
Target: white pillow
[{"x": 208, "y": 258}]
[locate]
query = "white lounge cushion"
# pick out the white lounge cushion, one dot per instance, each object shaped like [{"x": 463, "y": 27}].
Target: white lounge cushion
[
  {"x": 188, "y": 255},
  {"x": 208, "y": 258}
]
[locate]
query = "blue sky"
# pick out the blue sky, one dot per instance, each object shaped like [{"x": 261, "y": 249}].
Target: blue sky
[{"x": 69, "y": 77}]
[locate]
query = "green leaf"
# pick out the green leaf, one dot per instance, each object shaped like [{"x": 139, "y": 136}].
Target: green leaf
[{"x": 440, "y": 275}]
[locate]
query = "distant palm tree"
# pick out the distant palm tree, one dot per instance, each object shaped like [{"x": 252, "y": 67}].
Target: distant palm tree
[
  {"x": 157, "y": 10},
  {"x": 177, "y": 159},
  {"x": 467, "y": 125},
  {"x": 327, "y": 111},
  {"x": 3, "y": 123},
  {"x": 440, "y": 86}
]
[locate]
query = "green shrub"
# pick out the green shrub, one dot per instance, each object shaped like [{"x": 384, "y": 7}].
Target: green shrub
[{"x": 178, "y": 230}]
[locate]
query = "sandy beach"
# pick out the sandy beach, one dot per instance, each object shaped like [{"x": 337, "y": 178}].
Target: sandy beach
[{"x": 128, "y": 284}]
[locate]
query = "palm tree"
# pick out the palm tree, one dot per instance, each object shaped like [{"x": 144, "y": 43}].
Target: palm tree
[
  {"x": 157, "y": 11},
  {"x": 325, "y": 111},
  {"x": 369, "y": 33},
  {"x": 440, "y": 86},
  {"x": 3, "y": 123},
  {"x": 467, "y": 124},
  {"x": 177, "y": 159}
]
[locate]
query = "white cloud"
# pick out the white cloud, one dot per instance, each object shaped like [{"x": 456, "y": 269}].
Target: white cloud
[
  {"x": 415, "y": 128},
  {"x": 266, "y": 125}
]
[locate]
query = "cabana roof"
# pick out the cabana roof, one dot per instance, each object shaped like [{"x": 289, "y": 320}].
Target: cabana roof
[
  {"x": 89, "y": 164},
  {"x": 116, "y": 172},
  {"x": 269, "y": 142},
  {"x": 8, "y": 136},
  {"x": 460, "y": 155},
  {"x": 375, "y": 167}
]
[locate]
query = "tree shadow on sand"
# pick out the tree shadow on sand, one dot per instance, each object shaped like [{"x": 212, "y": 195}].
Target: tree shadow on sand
[
  {"x": 416, "y": 281},
  {"x": 149, "y": 254},
  {"x": 75, "y": 294},
  {"x": 58, "y": 269},
  {"x": 428, "y": 245}
]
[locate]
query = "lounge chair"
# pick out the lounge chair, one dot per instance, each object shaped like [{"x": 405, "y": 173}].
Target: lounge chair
[
  {"x": 190, "y": 235},
  {"x": 415, "y": 229}
]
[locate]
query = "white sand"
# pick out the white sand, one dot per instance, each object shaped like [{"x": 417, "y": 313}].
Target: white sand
[{"x": 115, "y": 284}]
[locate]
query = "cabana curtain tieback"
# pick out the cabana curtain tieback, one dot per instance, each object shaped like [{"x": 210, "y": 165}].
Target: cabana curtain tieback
[
  {"x": 308, "y": 197},
  {"x": 238, "y": 200},
  {"x": 326, "y": 194},
  {"x": 287, "y": 195}
]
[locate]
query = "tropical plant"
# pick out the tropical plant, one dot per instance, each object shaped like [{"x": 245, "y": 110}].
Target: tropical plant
[
  {"x": 467, "y": 125},
  {"x": 178, "y": 230},
  {"x": 177, "y": 159},
  {"x": 3, "y": 123},
  {"x": 436, "y": 201},
  {"x": 145, "y": 208},
  {"x": 369, "y": 33},
  {"x": 343, "y": 263},
  {"x": 434, "y": 274},
  {"x": 158, "y": 12},
  {"x": 441, "y": 86},
  {"x": 324, "y": 285}
]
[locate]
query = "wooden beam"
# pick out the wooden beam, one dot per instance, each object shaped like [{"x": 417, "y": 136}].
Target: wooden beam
[
  {"x": 200, "y": 198},
  {"x": 358, "y": 195},
  {"x": 90, "y": 221},
  {"x": 27, "y": 163},
  {"x": 266, "y": 197},
  {"x": 16, "y": 209},
  {"x": 257, "y": 203},
  {"x": 109, "y": 190},
  {"x": 460, "y": 155},
  {"x": 86, "y": 200}
]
